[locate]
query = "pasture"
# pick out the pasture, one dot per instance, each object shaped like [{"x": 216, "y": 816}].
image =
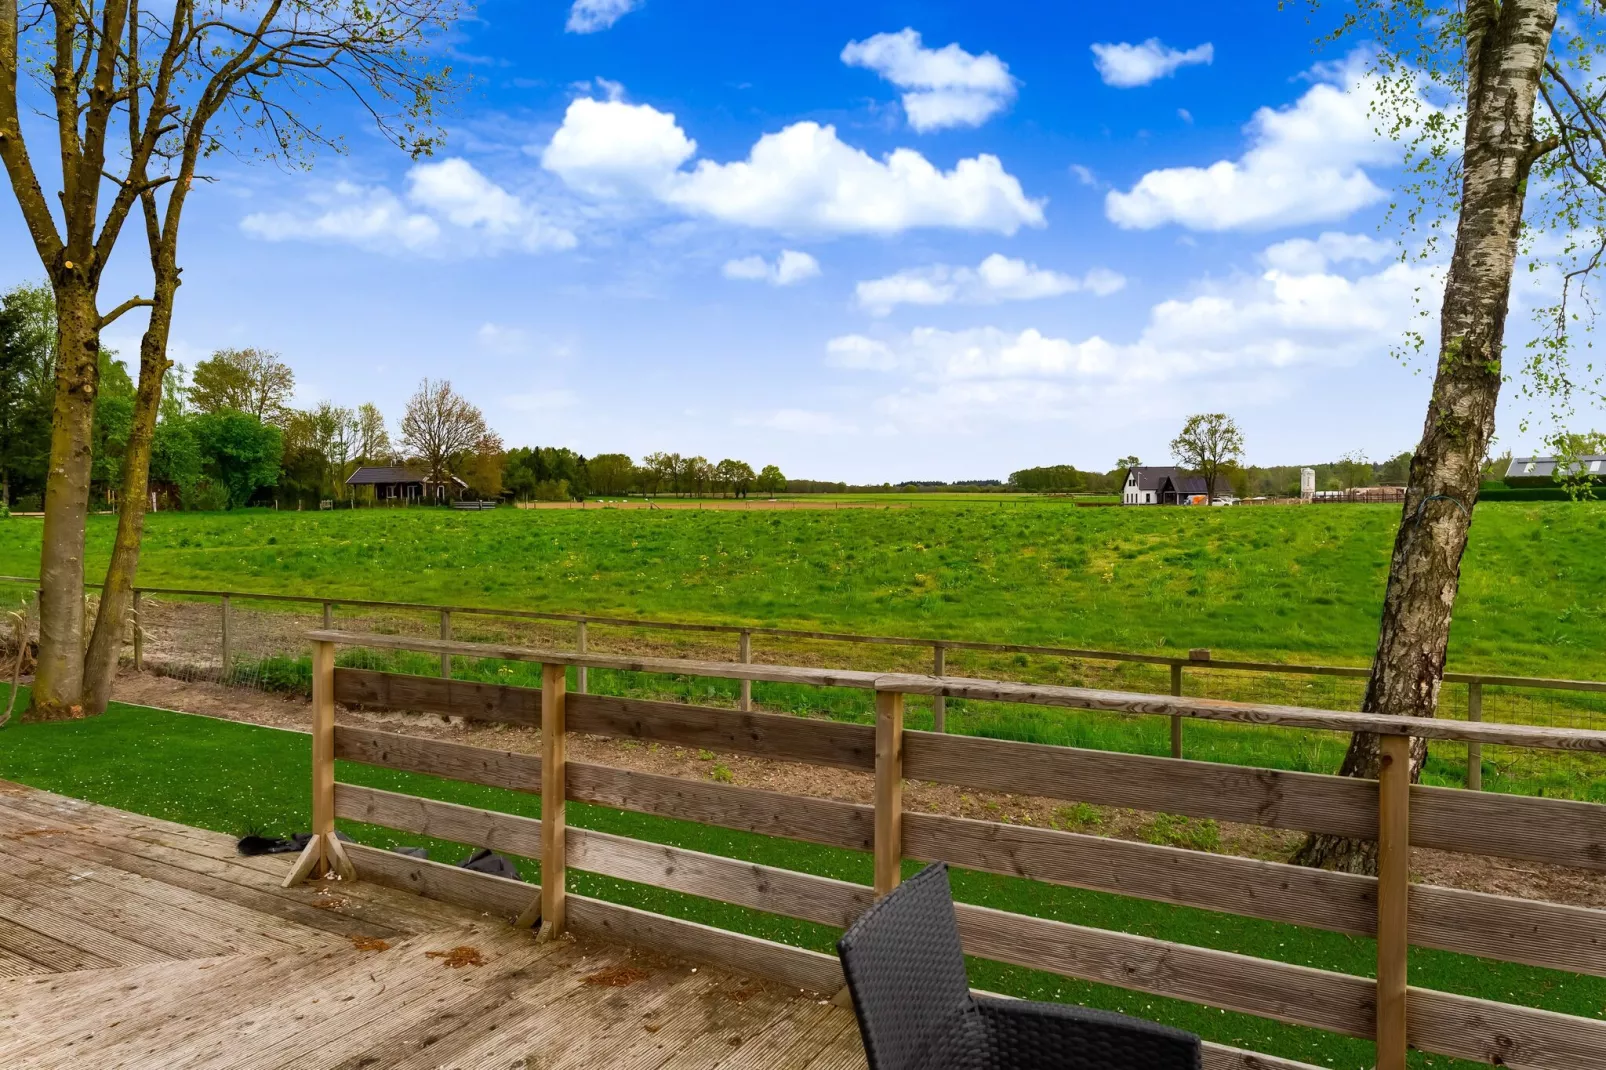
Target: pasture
[{"x": 1285, "y": 583}]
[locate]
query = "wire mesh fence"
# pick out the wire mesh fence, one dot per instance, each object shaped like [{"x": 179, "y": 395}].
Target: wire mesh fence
[{"x": 259, "y": 643}]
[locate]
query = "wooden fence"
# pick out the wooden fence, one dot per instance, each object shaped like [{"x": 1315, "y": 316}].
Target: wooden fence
[
  {"x": 1195, "y": 660},
  {"x": 1392, "y": 811}
]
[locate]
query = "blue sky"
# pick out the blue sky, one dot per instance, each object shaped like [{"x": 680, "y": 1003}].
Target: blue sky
[{"x": 867, "y": 241}]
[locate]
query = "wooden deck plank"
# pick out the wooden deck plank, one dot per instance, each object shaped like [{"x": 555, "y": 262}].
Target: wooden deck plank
[
  {"x": 186, "y": 907},
  {"x": 214, "y": 856},
  {"x": 509, "y": 1018},
  {"x": 133, "y": 1013},
  {"x": 49, "y": 954},
  {"x": 129, "y": 916},
  {"x": 72, "y": 929}
]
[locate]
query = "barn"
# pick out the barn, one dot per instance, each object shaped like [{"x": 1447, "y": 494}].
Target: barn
[{"x": 401, "y": 484}]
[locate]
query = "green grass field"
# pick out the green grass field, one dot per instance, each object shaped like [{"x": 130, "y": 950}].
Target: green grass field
[
  {"x": 1279, "y": 583},
  {"x": 239, "y": 778}
]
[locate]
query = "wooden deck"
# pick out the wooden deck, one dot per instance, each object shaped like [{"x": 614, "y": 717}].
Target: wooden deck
[{"x": 131, "y": 942}]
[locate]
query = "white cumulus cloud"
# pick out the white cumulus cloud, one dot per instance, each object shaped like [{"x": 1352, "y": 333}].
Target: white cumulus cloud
[
  {"x": 943, "y": 87},
  {"x": 1303, "y": 165},
  {"x": 800, "y": 178},
  {"x": 997, "y": 278},
  {"x": 808, "y": 422},
  {"x": 790, "y": 267},
  {"x": 1224, "y": 339},
  {"x": 589, "y": 16},
  {"x": 608, "y": 148},
  {"x": 450, "y": 207},
  {"x": 1127, "y": 65},
  {"x": 1311, "y": 255}
]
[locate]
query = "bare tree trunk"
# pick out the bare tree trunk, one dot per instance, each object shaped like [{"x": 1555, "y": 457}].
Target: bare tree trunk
[
  {"x": 1506, "y": 46},
  {"x": 117, "y": 595},
  {"x": 58, "y": 680}
]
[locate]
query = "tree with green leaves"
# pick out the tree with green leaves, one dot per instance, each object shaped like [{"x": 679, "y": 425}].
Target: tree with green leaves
[
  {"x": 770, "y": 480},
  {"x": 253, "y": 381},
  {"x": 611, "y": 473},
  {"x": 1209, "y": 443},
  {"x": 1498, "y": 108},
  {"x": 141, "y": 94},
  {"x": 27, "y": 373},
  {"x": 239, "y": 453}
]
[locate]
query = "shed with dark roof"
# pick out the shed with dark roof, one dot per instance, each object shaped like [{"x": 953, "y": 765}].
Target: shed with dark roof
[{"x": 401, "y": 483}]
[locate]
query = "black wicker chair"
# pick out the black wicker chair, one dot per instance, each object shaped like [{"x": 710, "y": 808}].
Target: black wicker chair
[{"x": 906, "y": 972}]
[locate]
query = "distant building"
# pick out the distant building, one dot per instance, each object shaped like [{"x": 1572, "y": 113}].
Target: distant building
[
  {"x": 400, "y": 484},
  {"x": 1307, "y": 483},
  {"x": 1163, "y": 486},
  {"x": 1541, "y": 471}
]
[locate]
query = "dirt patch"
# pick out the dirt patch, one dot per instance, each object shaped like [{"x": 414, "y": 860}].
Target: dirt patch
[
  {"x": 616, "y": 977},
  {"x": 368, "y": 943},
  {"x": 1528, "y": 880},
  {"x": 458, "y": 957}
]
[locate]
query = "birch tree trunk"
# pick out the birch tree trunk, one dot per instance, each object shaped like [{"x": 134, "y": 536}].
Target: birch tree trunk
[{"x": 1506, "y": 44}]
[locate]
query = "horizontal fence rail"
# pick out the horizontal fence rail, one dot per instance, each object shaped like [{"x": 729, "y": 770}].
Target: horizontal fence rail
[{"x": 1389, "y": 908}]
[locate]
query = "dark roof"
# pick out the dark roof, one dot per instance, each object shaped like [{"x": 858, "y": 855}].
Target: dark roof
[
  {"x": 1151, "y": 478},
  {"x": 383, "y": 474},
  {"x": 1156, "y": 479}
]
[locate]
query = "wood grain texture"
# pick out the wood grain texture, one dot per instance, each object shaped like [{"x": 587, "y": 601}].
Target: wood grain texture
[
  {"x": 1340, "y": 902},
  {"x": 429, "y": 694},
  {"x": 888, "y": 791},
  {"x": 765, "y": 735},
  {"x": 629, "y": 663},
  {"x": 435, "y": 880},
  {"x": 456, "y": 761},
  {"x": 1221, "y": 1057},
  {"x": 827, "y": 821},
  {"x": 1308, "y": 802},
  {"x": 1393, "y": 896},
  {"x": 1558, "y": 831},
  {"x": 749, "y": 955},
  {"x": 1287, "y": 993},
  {"x": 1504, "y": 1034},
  {"x": 490, "y": 829},
  {"x": 554, "y": 798},
  {"x": 778, "y": 891},
  {"x": 323, "y": 747},
  {"x": 1083, "y": 698}
]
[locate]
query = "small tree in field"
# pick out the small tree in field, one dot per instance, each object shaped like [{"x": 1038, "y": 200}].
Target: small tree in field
[
  {"x": 1209, "y": 443},
  {"x": 770, "y": 481},
  {"x": 441, "y": 427}
]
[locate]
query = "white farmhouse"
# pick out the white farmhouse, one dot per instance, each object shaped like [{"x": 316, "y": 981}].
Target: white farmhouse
[{"x": 1163, "y": 486}]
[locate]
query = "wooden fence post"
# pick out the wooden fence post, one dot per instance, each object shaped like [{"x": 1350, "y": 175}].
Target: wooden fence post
[
  {"x": 1475, "y": 750},
  {"x": 1393, "y": 897},
  {"x": 227, "y": 653},
  {"x": 554, "y": 794},
  {"x": 328, "y": 616},
  {"x": 446, "y": 634},
  {"x": 1176, "y": 721},
  {"x": 746, "y": 655},
  {"x": 320, "y": 856},
  {"x": 888, "y": 791},
  {"x": 139, "y": 636},
  {"x": 939, "y": 703},
  {"x": 580, "y": 647}
]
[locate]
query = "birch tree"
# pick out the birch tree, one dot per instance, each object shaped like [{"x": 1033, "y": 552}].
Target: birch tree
[
  {"x": 1509, "y": 161},
  {"x": 137, "y": 98}
]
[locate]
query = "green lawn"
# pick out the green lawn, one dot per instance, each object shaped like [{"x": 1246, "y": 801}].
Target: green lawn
[
  {"x": 1279, "y": 583},
  {"x": 237, "y": 778}
]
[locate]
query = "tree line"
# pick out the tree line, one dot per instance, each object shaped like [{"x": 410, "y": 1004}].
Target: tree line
[{"x": 227, "y": 435}]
